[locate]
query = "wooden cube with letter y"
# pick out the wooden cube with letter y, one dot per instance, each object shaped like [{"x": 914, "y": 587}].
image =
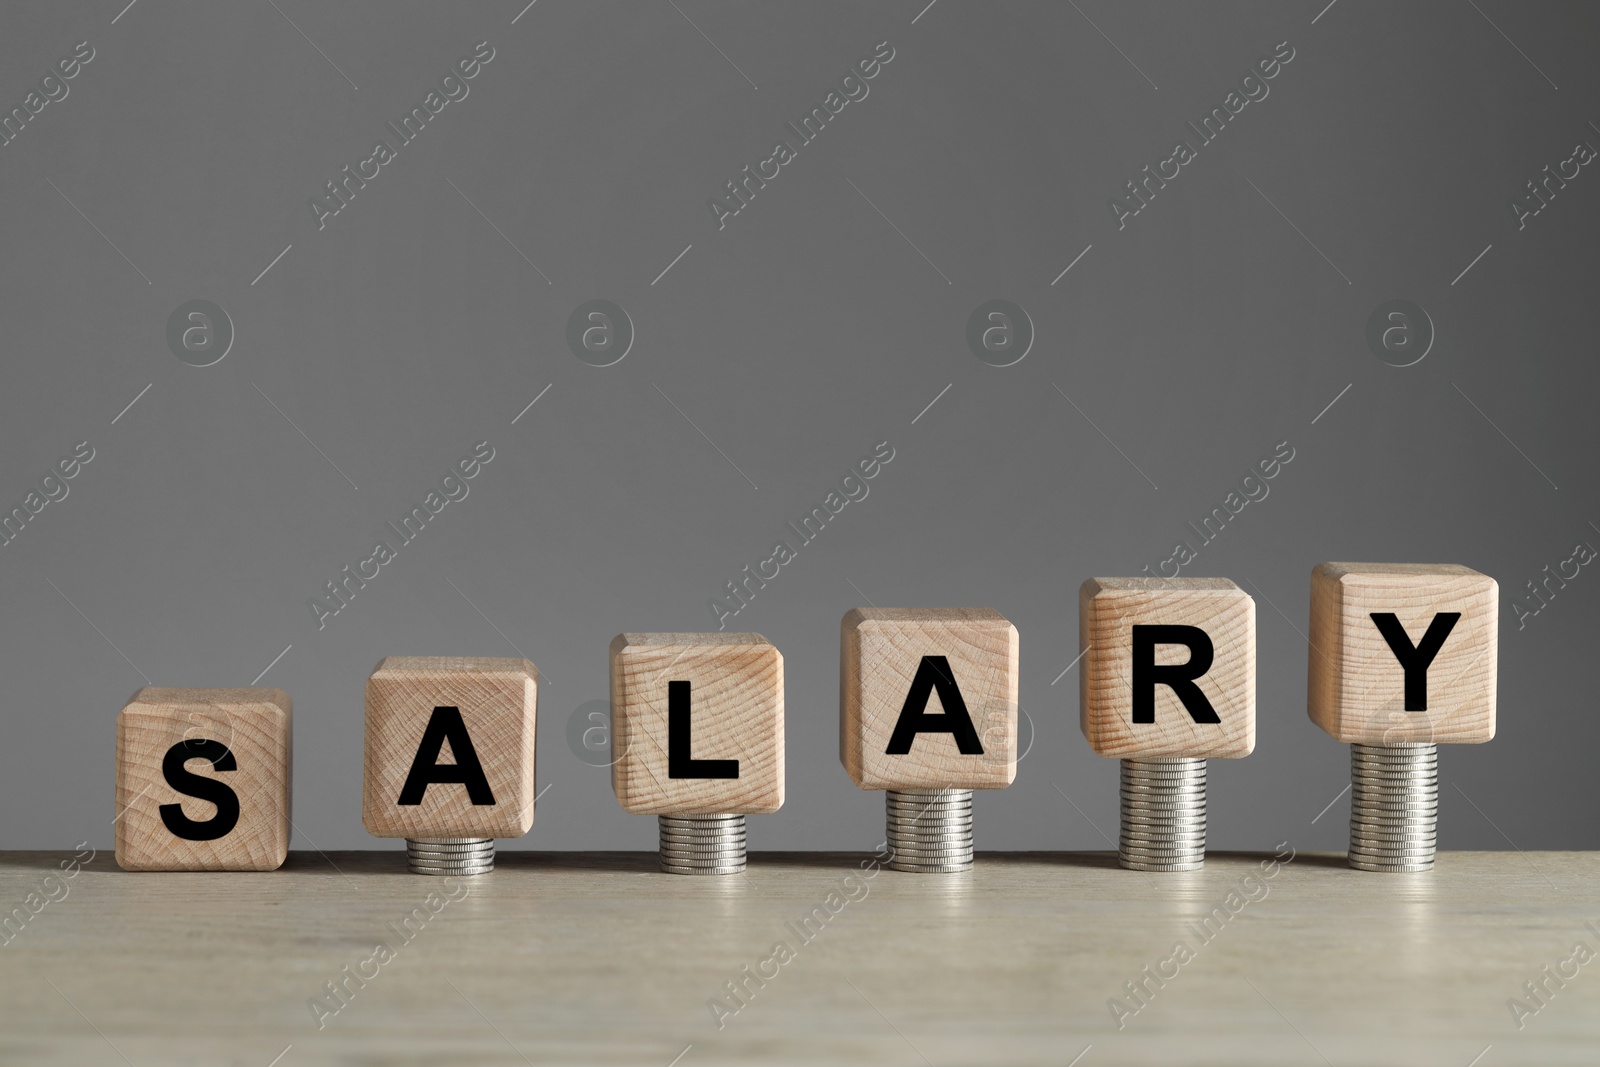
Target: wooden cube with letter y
[
  {"x": 1403, "y": 652},
  {"x": 697, "y": 740},
  {"x": 1166, "y": 680},
  {"x": 928, "y": 713},
  {"x": 1403, "y": 658},
  {"x": 203, "y": 780},
  {"x": 450, "y": 756}
]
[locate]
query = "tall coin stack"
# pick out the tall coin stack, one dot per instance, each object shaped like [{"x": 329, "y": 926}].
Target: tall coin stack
[
  {"x": 929, "y": 830},
  {"x": 1163, "y": 815},
  {"x": 1394, "y": 806}
]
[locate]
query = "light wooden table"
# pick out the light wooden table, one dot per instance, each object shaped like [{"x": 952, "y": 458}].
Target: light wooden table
[{"x": 597, "y": 958}]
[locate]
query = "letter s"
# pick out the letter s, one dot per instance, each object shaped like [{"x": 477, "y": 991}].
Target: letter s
[{"x": 194, "y": 785}]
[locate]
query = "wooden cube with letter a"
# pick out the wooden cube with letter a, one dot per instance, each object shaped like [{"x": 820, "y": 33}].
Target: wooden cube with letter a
[
  {"x": 1167, "y": 668},
  {"x": 203, "y": 780},
  {"x": 1403, "y": 652},
  {"x": 928, "y": 698},
  {"x": 696, "y": 723},
  {"x": 450, "y": 747}
]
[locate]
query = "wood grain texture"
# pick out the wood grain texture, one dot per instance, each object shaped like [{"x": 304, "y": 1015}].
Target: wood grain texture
[
  {"x": 498, "y": 698},
  {"x": 255, "y": 725},
  {"x": 736, "y": 713},
  {"x": 1108, "y": 609},
  {"x": 880, "y": 651},
  {"x": 597, "y": 958},
  {"x": 1356, "y": 685}
]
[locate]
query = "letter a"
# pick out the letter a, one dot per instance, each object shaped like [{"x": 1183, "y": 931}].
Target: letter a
[
  {"x": 445, "y": 725},
  {"x": 933, "y": 675}
]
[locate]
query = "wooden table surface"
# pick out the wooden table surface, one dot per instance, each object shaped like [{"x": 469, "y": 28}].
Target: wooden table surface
[{"x": 597, "y": 958}]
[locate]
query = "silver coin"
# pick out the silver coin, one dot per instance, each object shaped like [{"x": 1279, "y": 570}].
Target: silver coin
[
  {"x": 452, "y": 850},
  {"x": 931, "y": 867}
]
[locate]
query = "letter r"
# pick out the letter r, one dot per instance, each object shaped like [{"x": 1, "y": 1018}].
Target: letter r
[{"x": 1179, "y": 677}]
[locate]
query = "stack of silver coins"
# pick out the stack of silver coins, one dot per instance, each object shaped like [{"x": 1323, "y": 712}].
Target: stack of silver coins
[
  {"x": 1163, "y": 815},
  {"x": 1394, "y": 806},
  {"x": 930, "y": 830},
  {"x": 702, "y": 844},
  {"x": 450, "y": 855}
]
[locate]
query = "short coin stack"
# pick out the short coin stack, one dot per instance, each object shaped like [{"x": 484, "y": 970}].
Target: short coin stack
[
  {"x": 702, "y": 844},
  {"x": 450, "y": 855}
]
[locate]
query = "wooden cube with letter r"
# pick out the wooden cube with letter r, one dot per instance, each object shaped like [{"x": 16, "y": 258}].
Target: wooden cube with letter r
[
  {"x": 928, "y": 698},
  {"x": 1403, "y": 652},
  {"x": 697, "y": 723},
  {"x": 1167, "y": 668},
  {"x": 450, "y": 747},
  {"x": 203, "y": 780}
]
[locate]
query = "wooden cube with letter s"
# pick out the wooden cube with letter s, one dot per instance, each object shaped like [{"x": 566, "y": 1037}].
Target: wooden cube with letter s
[{"x": 203, "y": 780}]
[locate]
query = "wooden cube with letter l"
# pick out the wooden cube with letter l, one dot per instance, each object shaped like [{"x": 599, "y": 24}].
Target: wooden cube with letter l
[
  {"x": 1403, "y": 658},
  {"x": 450, "y": 757},
  {"x": 697, "y": 725},
  {"x": 203, "y": 780},
  {"x": 928, "y": 713},
  {"x": 1166, "y": 680}
]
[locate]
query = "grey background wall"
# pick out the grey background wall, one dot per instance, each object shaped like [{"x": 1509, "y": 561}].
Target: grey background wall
[{"x": 370, "y": 353}]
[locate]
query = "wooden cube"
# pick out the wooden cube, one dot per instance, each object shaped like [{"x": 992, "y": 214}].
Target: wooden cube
[
  {"x": 450, "y": 747},
  {"x": 203, "y": 780},
  {"x": 1403, "y": 652},
  {"x": 1167, "y": 668},
  {"x": 697, "y": 723},
  {"x": 928, "y": 698}
]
